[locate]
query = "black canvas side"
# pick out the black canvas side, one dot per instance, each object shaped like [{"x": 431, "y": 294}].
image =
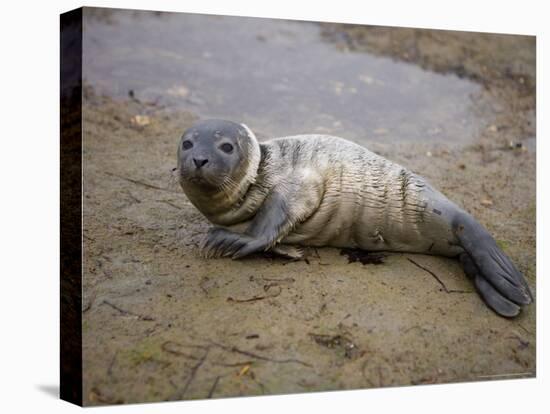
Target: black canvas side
[{"x": 71, "y": 207}]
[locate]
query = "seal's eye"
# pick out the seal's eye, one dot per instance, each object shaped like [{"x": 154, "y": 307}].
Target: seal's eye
[
  {"x": 227, "y": 148},
  {"x": 187, "y": 145}
]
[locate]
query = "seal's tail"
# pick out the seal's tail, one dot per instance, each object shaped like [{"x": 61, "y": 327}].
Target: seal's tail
[{"x": 499, "y": 283}]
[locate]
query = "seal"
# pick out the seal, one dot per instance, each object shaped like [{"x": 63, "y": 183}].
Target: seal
[{"x": 319, "y": 190}]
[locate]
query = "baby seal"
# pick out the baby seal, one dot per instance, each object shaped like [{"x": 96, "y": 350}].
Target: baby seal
[{"x": 319, "y": 190}]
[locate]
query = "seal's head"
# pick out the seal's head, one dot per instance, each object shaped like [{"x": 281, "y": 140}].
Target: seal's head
[{"x": 217, "y": 156}]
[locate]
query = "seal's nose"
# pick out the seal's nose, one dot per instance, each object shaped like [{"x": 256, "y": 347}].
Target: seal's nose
[{"x": 199, "y": 162}]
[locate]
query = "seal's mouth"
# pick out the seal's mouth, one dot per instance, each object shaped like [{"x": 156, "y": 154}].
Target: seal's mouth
[
  {"x": 202, "y": 178},
  {"x": 197, "y": 179}
]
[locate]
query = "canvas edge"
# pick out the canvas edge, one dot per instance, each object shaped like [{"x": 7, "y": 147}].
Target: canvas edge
[{"x": 71, "y": 388}]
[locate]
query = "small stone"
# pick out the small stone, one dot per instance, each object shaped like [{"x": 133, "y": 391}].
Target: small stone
[
  {"x": 140, "y": 120},
  {"x": 516, "y": 145},
  {"x": 486, "y": 202}
]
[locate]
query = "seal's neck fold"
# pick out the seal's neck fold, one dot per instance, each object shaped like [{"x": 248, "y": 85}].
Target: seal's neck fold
[{"x": 254, "y": 156}]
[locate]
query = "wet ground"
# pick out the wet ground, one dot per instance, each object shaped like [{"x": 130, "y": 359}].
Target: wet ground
[{"x": 162, "y": 323}]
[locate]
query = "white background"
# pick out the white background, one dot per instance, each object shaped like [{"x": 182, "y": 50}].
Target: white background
[{"x": 29, "y": 216}]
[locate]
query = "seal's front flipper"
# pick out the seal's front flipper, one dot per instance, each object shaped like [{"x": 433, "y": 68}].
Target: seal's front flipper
[
  {"x": 500, "y": 284},
  {"x": 490, "y": 295},
  {"x": 288, "y": 251},
  {"x": 220, "y": 242},
  {"x": 284, "y": 208}
]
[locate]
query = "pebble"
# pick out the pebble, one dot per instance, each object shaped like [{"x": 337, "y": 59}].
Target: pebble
[{"x": 140, "y": 120}]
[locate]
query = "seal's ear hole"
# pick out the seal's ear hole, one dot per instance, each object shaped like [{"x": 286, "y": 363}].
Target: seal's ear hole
[{"x": 226, "y": 147}]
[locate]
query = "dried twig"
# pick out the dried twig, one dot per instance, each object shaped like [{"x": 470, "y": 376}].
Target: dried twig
[
  {"x": 137, "y": 182},
  {"x": 274, "y": 279},
  {"x": 256, "y": 298},
  {"x": 171, "y": 204},
  {"x": 232, "y": 364},
  {"x": 437, "y": 278},
  {"x": 133, "y": 197},
  {"x": 260, "y": 357},
  {"x": 128, "y": 313},
  {"x": 525, "y": 329},
  {"x": 213, "y": 388},
  {"x": 193, "y": 373},
  {"x": 168, "y": 347}
]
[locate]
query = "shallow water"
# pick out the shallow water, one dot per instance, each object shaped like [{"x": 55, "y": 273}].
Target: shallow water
[{"x": 280, "y": 77}]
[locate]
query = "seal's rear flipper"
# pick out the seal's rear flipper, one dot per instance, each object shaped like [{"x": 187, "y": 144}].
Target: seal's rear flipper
[
  {"x": 490, "y": 295},
  {"x": 500, "y": 284}
]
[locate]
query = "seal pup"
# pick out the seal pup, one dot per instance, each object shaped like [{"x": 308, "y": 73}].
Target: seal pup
[{"x": 319, "y": 190}]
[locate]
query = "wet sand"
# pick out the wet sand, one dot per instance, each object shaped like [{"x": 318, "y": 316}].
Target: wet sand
[{"x": 162, "y": 323}]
